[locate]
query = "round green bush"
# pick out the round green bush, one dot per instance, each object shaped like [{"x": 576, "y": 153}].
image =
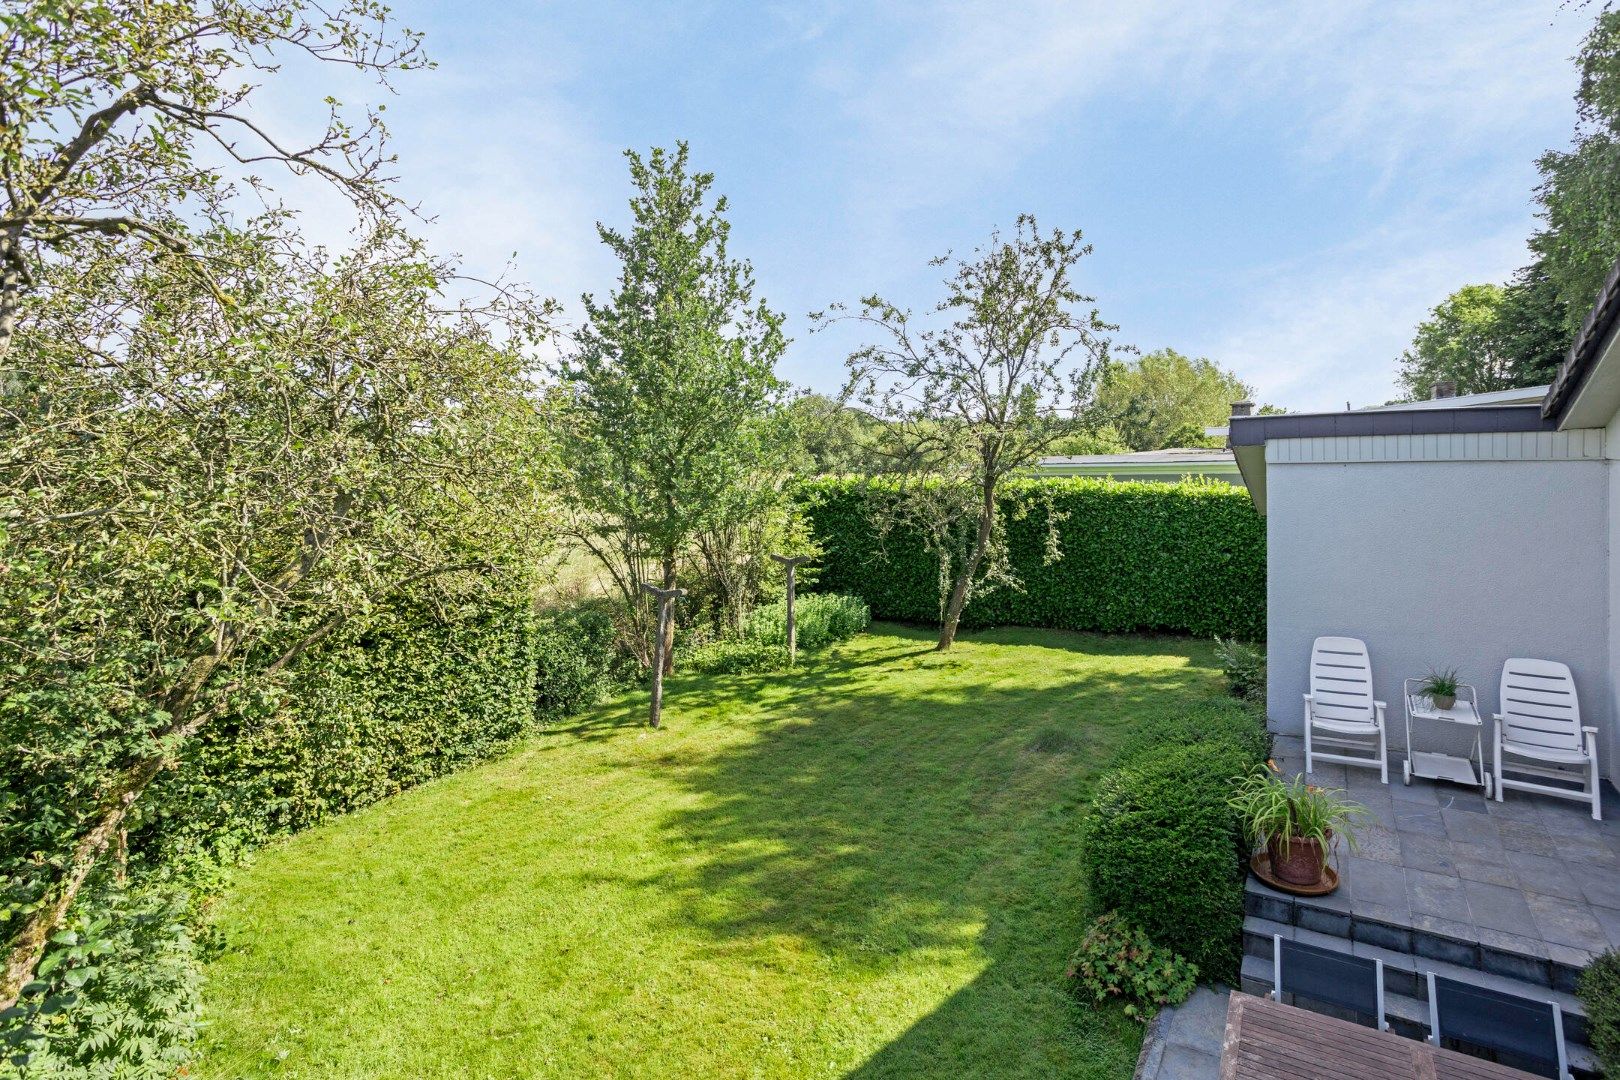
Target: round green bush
[
  {"x": 1599, "y": 988},
  {"x": 1162, "y": 848},
  {"x": 821, "y": 619}
]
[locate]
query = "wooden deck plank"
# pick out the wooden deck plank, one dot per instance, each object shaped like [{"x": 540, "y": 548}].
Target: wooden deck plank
[{"x": 1267, "y": 1040}]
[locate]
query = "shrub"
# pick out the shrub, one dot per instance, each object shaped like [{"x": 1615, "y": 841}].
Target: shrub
[
  {"x": 1244, "y": 666},
  {"x": 1599, "y": 988},
  {"x": 822, "y": 619},
  {"x": 118, "y": 994},
  {"x": 1187, "y": 557},
  {"x": 1162, "y": 847},
  {"x": 1117, "y": 962},
  {"x": 1212, "y": 720},
  {"x": 579, "y": 660},
  {"x": 733, "y": 656}
]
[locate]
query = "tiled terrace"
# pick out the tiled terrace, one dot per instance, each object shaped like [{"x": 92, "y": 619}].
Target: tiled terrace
[{"x": 1531, "y": 876}]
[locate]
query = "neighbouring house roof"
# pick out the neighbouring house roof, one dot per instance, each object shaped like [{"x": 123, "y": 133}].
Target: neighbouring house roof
[{"x": 1157, "y": 465}]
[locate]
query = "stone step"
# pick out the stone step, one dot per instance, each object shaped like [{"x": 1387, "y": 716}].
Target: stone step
[
  {"x": 1406, "y": 988},
  {"x": 1480, "y": 950}
]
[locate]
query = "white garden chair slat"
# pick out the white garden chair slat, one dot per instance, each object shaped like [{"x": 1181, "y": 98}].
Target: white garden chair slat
[
  {"x": 1539, "y": 734},
  {"x": 1340, "y": 710}
]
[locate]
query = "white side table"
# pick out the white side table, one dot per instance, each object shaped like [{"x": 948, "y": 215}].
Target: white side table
[{"x": 1462, "y": 717}]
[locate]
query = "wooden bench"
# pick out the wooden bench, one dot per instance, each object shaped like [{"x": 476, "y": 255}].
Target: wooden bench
[{"x": 1267, "y": 1040}]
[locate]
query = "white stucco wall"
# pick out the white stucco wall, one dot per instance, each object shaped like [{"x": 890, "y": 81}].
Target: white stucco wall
[{"x": 1444, "y": 564}]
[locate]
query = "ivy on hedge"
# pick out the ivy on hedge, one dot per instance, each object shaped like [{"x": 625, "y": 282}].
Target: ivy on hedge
[{"x": 1187, "y": 557}]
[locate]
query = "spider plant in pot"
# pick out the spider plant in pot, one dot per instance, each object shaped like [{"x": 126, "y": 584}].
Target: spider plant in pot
[
  {"x": 1441, "y": 688},
  {"x": 1297, "y": 823}
]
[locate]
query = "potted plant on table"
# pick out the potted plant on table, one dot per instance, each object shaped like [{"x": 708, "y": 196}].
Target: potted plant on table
[
  {"x": 1440, "y": 687},
  {"x": 1296, "y": 822}
]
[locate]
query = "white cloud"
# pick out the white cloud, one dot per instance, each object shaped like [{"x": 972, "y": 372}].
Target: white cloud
[{"x": 1314, "y": 336}]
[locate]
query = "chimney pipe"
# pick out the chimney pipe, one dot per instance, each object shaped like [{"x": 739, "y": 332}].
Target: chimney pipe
[
  {"x": 1445, "y": 388},
  {"x": 1242, "y": 408}
]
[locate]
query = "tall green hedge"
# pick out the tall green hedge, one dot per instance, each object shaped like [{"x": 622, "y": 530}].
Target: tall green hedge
[
  {"x": 409, "y": 696},
  {"x": 1187, "y": 557}
]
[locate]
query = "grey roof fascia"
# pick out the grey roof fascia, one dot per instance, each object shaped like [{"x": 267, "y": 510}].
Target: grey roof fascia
[{"x": 1257, "y": 430}]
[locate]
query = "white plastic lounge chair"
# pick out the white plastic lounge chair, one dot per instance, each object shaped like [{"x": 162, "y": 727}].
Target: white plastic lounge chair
[
  {"x": 1340, "y": 711},
  {"x": 1539, "y": 727}
]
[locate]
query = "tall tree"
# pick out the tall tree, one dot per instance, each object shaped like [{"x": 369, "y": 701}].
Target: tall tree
[
  {"x": 980, "y": 393},
  {"x": 113, "y": 117},
  {"x": 1461, "y": 342},
  {"x": 671, "y": 389},
  {"x": 193, "y": 494},
  {"x": 1580, "y": 187},
  {"x": 1163, "y": 398}
]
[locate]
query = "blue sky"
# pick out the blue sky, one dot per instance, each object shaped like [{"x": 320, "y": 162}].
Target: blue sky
[{"x": 1285, "y": 188}]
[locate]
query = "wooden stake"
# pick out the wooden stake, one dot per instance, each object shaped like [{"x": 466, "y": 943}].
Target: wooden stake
[
  {"x": 792, "y": 565},
  {"x": 665, "y": 597}
]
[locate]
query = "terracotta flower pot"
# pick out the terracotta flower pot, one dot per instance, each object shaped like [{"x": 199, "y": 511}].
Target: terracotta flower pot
[
  {"x": 1444, "y": 701},
  {"x": 1298, "y": 861}
]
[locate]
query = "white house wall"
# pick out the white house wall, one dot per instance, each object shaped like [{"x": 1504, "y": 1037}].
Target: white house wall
[{"x": 1483, "y": 548}]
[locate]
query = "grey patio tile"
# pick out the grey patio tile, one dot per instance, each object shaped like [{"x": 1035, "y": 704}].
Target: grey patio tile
[
  {"x": 1498, "y": 907},
  {"x": 1440, "y": 895},
  {"x": 1470, "y": 802},
  {"x": 1425, "y": 820},
  {"x": 1200, "y": 1021},
  {"x": 1431, "y": 853},
  {"x": 1491, "y": 853},
  {"x": 1600, "y": 887},
  {"x": 1566, "y": 922},
  {"x": 1586, "y": 852},
  {"x": 1514, "y": 943},
  {"x": 1376, "y": 882},
  {"x": 1609, "y": 919},
  {"x": 1185, "y": 1063},
  {"x": 1445, "y": 939},
  {"x": 1418, "y": 793},
  {"x": 1525, "y": 836},
  {"x": 1514, "y": 807},
  {"x": 1471, "y": 828},
  {"x": 1493, "y": 873},
  {"x": 1544, "y": 874},
  {"x": 1378, "y": 843}
]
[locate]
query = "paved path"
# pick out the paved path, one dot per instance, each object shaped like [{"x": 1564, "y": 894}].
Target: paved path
[{"x": 1184, "y": 1043}]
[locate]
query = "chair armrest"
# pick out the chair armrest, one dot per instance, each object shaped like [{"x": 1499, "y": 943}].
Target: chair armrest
[
  {"x": 1381, "y": 704},
  {"x": 1307, "y": 697}
]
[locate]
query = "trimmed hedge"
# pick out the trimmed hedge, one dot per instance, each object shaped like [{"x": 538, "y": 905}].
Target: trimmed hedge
[
  {"x": 1162, "y": 849},
  {"x": 1215, "y": 720},
  {"x": 1187, "y": 557},
  {"x": 405, "y": 698},
  {"x": 1162, "y": 846},
  {"x": 1599, "y": 989}
]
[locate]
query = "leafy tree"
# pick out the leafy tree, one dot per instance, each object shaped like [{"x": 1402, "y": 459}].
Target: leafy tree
[
  {"x": 112, "y": 117},
  {"x": 671, "y": 390},
  {"x": 981, "y": 393},
  {"x": 834, "y": 436},
  {"x": 1580, "y": 187},
  {"x": 1164, "y": 399},
  {"x": 1532, "y": 327},
  {"x": 192, "y": 495},
  {"x": 1461, "y": 343}
]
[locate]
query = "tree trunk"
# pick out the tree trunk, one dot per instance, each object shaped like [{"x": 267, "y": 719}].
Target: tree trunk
[
  {"x": 964, "y": 579},
  {"x": 12, "y": 282},
  {"x": 667, "y": 627},
  {"x": 28, "y": 944}
]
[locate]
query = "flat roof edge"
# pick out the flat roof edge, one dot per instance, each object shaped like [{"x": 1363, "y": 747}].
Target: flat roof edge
[{"x": 1481, "y": 419}]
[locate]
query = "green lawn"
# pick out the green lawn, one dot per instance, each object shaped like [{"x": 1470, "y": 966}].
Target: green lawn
[{"x": 867, "y": 868}]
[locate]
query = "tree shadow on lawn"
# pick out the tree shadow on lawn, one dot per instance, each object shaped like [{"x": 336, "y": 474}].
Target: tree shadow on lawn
[{"x": 884, "y": 809}]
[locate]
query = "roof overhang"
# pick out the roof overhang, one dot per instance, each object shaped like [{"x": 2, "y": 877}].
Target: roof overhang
[
  {"x": 1586, "y": 392},
  {"x": 1251, "y": 433}
]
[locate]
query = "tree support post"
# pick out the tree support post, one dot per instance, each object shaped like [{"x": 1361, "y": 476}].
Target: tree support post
[
  {"x": 792, "y": 564},
  {"x": 665, "y": 598}
]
